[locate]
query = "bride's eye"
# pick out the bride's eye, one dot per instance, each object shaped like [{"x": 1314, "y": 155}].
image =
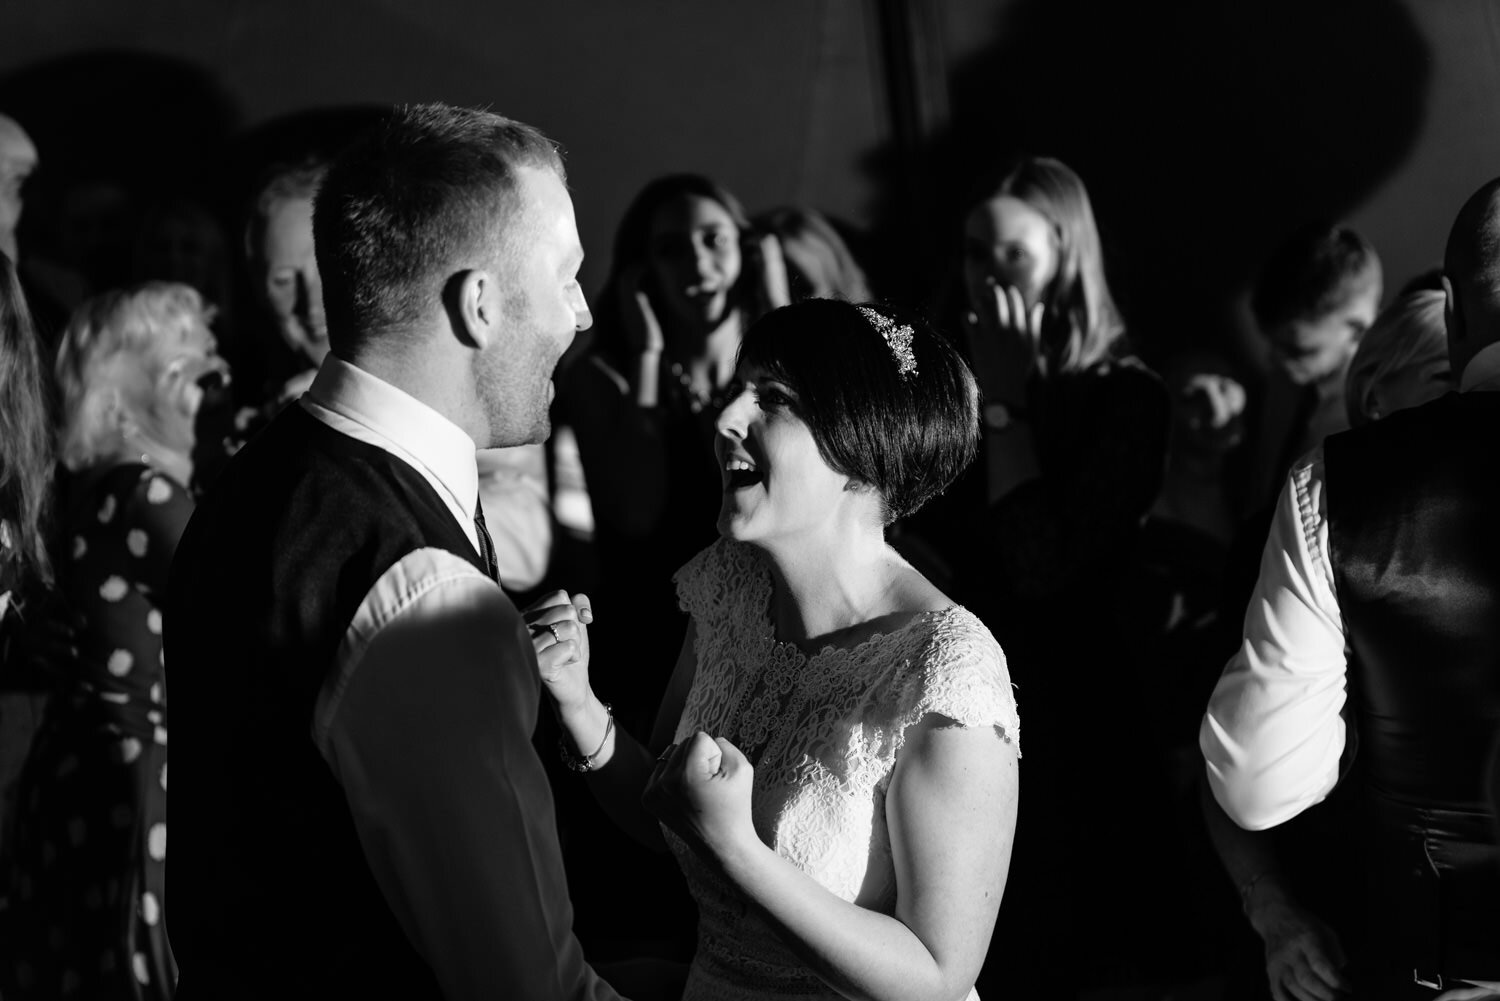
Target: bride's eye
[{"x": 773, "y": 400}]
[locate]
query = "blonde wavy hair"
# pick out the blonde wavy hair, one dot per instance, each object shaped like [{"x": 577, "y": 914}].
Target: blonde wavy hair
[
  {"x": 1409, "y": 333},
  {"x": 116, "y": 349}
]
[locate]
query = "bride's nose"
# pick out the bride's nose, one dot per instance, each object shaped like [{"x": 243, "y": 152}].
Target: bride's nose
[{"x": 736, "y": 416}]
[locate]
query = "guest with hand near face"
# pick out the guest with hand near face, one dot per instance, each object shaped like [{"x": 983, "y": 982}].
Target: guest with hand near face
[
  {"x": 690, "y": 274},
  {"x": 837, "y": 749},
  {"x": 1043, "y": 535}
]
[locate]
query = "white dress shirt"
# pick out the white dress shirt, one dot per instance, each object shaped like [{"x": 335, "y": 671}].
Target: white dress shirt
[
  {"x": 1274, "y": 731},
  {"x": 511, "y": 483},
  {"x": 426, "y": 723},
  {"x": 517, "y": 511}
]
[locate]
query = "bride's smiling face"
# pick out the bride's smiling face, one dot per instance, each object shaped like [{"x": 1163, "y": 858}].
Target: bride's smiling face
[{"x": 776, "y": 484}]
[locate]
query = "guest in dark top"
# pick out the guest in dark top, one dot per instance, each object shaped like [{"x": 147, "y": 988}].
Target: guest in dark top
[
  {"x": 1043, "y": 534},
  {"x": 689, "y": 275},
  {"x": 91, "y": 848},
  {"x": 1075, "y": 425}
]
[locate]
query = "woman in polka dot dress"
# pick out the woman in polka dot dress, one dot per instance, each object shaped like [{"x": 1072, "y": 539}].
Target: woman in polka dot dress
[{"x": 89, "y": 908}]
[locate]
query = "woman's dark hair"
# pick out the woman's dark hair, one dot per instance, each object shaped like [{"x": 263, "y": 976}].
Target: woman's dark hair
[
  {"x": 633, "y": 243},
  {"x": 26, "y": 461},
  {"x": 906, "y": 435}
]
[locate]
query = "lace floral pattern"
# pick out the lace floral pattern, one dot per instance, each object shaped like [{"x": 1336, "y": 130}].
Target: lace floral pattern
[{"x": 823, "y": 732}]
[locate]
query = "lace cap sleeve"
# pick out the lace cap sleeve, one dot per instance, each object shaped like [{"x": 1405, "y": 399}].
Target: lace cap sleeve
[
  {"x": 723, "y": 580},
  {"x": 961, "y": 674}
]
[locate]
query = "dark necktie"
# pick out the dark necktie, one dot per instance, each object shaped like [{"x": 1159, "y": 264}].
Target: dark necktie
[{"x": 486, "y": 544}]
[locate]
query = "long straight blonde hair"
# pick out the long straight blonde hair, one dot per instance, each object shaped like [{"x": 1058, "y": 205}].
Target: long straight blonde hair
[{"x": 1078, "y": 292}]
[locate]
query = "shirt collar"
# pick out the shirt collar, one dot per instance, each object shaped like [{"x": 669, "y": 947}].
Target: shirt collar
[
  {"x": 411, "y": 426},
  {"x": 1483, "y": 370}
]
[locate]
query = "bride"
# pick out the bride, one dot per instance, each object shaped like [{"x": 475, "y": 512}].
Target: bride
[{"x": 838, "y": 766}]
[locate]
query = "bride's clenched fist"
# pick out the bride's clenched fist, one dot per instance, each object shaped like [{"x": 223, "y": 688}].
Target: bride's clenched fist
[{"x": 701, "y": 790}]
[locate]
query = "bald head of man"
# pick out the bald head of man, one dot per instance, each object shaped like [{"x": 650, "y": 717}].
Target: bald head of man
[
  {"x": 17, "y": 161},
  {"x": 1471, "y": 277}
]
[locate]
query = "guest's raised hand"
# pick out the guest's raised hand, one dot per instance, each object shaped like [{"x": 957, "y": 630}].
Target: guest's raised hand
[
  {"x": 1005, "y": 338},
  {"x": 1014, "y": 317},
  {"x": 775, "y": 284},
  {"x": 558, "y": 623},
  {"x": 701, "y": 790},
  {"x": 642, "y": 328}
]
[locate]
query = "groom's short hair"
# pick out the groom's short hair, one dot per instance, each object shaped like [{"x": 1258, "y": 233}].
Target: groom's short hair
[{"x": 427, "y": 192}]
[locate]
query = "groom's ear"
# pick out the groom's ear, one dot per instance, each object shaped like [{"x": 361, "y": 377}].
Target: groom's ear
[{"x": 472, "y": 301}]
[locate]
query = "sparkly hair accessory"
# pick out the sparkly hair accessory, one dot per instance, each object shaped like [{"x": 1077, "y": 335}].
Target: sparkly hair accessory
[{"x": 897, "y": 338}]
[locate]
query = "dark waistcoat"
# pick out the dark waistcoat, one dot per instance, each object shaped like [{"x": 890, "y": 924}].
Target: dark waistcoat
[
  {"x": 270, "y": 895},
  {"x": 1414, "y": 534}
]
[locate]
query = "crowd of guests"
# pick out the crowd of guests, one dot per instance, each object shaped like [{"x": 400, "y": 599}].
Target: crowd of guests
[{"x": 789, "y": 557}]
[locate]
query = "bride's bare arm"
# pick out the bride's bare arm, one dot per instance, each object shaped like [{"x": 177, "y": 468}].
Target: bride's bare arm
[{"x": 951, "y": 811}]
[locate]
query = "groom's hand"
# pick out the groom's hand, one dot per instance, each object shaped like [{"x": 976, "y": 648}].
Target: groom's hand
[
  {"x": 701, "y": 790},
  {"x": 558, "y": 623}
]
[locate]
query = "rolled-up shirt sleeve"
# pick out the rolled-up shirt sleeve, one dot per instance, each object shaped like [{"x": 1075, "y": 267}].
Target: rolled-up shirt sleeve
[
  {"x": 1273, "y": 734},
  {"x": 427, "y": 726}
]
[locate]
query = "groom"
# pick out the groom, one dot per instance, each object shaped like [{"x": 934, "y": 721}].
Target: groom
[{"x": 358, "y": 811}]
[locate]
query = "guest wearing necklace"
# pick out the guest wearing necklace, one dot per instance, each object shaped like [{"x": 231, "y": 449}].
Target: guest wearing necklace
[
  {"x": 91, "y": 846},
  {"x": 689, "y": 275}
]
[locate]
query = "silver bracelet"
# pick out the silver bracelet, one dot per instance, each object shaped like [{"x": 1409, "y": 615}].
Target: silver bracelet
[{"x": 585, "y": 763}]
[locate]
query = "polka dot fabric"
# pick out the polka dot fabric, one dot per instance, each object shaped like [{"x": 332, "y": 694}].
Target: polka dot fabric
[{"x": 90, "y": 854}]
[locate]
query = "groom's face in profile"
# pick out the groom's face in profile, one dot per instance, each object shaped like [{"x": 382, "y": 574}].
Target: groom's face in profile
[{"x": 543, "y": 308}]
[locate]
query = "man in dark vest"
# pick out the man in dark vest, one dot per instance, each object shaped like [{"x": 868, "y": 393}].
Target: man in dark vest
[
  {"x": 357, "y": 809},
  {"x": 1386, "y": 542}
]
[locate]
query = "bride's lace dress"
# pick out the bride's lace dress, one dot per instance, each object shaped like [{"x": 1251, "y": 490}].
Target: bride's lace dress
[{"x": 823, "y": 732}]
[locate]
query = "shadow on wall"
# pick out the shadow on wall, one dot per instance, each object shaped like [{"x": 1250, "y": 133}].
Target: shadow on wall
[
  {"x": 146, "y": 173},
  {"x": 1205, "y": 132},
  {"x": 116, "y": 131}
]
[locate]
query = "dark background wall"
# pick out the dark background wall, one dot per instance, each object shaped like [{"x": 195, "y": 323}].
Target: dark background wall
[{"x": 1205, "y": 131}]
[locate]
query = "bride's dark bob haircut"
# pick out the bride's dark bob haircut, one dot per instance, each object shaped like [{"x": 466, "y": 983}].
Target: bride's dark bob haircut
[{"x": 909, "y": 435}]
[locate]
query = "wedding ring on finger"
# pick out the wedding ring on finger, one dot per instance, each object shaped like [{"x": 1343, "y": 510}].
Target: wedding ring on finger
[{"x": 552, "y": 628}]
